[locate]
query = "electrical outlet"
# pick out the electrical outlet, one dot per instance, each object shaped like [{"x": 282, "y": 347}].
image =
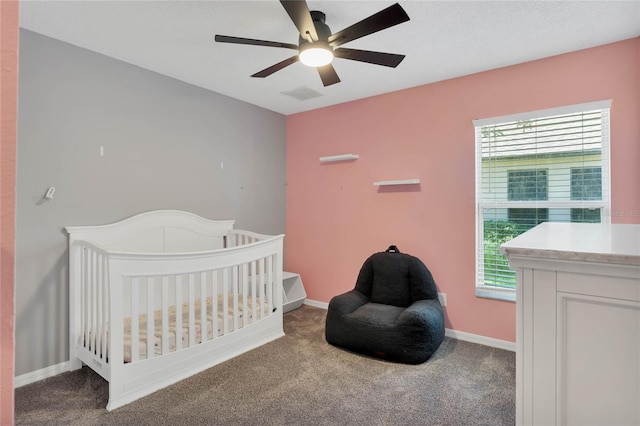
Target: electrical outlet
[{"x": 442, "y": 297}]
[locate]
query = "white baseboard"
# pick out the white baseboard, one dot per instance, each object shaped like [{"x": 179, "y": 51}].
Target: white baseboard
[
  {"x": 316, "y": 304},
  {"x": 458, "y": 335},
  {"x": 481, "y": 340},
  {"x": 44, "y": 373}
]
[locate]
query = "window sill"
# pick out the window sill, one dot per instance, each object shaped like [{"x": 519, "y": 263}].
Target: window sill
[{"x": 496, "y": 293}]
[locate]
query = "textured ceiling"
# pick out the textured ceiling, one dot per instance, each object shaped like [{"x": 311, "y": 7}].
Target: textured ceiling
[{"x": 443, "y": 40}]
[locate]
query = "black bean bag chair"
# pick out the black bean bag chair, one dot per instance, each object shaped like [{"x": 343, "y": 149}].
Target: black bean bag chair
[{"x": 392, "y": 313}]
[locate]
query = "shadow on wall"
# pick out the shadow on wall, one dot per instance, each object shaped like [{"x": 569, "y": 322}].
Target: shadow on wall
[
  {"x": 46, "y": 309},
  {"x": 399, "y": 188},
  {"x": 447, "y": 322}
]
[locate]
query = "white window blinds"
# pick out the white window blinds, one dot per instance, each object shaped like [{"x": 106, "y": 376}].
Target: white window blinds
[{"x": 550, "y": 165}]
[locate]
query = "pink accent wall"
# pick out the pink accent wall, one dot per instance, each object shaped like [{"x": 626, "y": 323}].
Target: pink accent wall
[
  {"x": 8, "y": 123},
  {"x": 336, "y": 218}
]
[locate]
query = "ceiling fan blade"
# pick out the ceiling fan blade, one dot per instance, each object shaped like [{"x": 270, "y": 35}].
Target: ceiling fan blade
[
  {"x": 277, "y": 67},
  {"x": 393, "y": 15},
  {"x": 328, "y": 75},
  {"x": 378, "y": 58},
  {"x": 299, "y": 13},
  {"x": 254, "y": 42}
]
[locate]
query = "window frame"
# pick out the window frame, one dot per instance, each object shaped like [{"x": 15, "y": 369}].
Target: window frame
[{"x": 604, "y": 204}]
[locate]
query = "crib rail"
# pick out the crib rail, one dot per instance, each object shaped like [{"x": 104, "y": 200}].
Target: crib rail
[
  {"x": 166, "y": 303},
  {"x": 240, "y": 237}
]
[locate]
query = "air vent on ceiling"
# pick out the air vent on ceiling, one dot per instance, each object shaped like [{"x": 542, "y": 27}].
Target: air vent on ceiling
[{"x": 302, "y": 93}]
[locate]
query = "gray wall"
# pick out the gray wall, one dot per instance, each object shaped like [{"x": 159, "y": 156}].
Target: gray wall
[{"x": 163, "y": 143}]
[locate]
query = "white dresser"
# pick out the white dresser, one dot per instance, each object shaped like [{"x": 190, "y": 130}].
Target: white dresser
[{"x": 578, "y": 324}]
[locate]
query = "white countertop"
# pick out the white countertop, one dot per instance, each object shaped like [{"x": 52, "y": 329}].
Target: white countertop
[{"x": 589, "y": 242}]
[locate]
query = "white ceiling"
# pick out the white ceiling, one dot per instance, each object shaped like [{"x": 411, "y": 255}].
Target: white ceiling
[{"x": 443, "y": 39}]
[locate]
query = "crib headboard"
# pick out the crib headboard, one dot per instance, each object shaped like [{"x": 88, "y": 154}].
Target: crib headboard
[{"x": 158, "y": 231}]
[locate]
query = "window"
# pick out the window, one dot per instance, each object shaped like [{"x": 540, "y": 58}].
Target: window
[
  {"x": 526, "y": 185},
  {"x": 586, "y": 184},
  {"x": 550, "y": 165}
]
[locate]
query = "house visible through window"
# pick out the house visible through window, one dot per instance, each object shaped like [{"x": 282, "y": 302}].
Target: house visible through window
[
  {"x": 586, "y": 184},
  {"x": 550, "y": 165},
  {"x": 527, "y": 185}
]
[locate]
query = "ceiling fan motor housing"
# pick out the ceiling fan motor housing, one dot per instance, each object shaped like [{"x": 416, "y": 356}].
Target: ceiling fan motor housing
[{"x": 323, "y": 31}]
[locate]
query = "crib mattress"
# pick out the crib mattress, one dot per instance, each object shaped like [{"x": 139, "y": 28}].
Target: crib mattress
[
  {"x": 217, "y": 325},
  {"x": 211, "y": 325}
]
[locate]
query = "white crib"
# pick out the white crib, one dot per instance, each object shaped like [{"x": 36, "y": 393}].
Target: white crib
[{"x": 163, "y": 295}]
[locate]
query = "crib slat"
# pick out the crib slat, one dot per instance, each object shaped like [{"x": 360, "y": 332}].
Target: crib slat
[
  {"x": 84, "y": 298},
  {"x": 150, "y": 318},
  {"x": 270, "y": 292},
  {"x": 225, "y": 300},
  {"x": 90, "y": 306},
  {"x": 234, "y": 293},
  {"x": 178, "y": 325},
  {"x": 245, "y": 293},
  {"x": 203, "y": 307},
  {"x": 94, "y": 303},
  {"x": 99, "y": 305},
  {"x": 98, "y": 296},
  {"x": 87, "y": 306},
  {"x": 105, "y": 305},
  {"x": 87, "y": 342},
  {"x": 254, "y": 292},
  {"x": 135, "y": 332},
  {"x": 260, "y": 303},
  {"x": 192, "y": 310},
  {"x": 165, "y": 314},
  {"x": 214, "y": 305}
]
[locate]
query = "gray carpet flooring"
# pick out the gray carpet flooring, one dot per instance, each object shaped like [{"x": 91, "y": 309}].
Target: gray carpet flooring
[{"x": 298, "y": 379}]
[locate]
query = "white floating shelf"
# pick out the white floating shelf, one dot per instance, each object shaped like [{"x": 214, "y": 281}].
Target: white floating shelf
[
  {"x": 397, "y": 182},
  {"x": 342, "y": 157}
]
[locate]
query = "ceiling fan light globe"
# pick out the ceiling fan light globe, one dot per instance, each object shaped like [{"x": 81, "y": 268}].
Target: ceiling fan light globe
[{"x": 316, "y": 56}]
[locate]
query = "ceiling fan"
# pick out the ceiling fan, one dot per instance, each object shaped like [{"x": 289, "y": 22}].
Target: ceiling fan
[{"x": 316, "y": 42}]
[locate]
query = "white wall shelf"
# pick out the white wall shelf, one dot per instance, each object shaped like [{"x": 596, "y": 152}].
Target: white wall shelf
[
  {"x": 397, "y": 182},
  {"x": 341, "y": 157}
]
